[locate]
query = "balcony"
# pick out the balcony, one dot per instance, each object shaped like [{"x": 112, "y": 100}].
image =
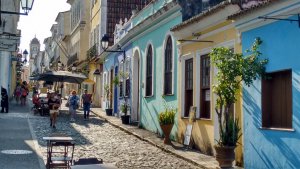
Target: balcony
[
  {"x": 72, "y": 59},
  {"x": 93, "y": 52}
]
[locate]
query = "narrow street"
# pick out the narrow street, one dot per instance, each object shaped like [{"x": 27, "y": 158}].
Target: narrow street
[
  {"x": 17, "y": 148},
  {"x": 97, "y": 138}
]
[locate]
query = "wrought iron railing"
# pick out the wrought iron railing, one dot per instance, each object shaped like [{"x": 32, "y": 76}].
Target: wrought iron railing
[{"x": 93, "y": 51}]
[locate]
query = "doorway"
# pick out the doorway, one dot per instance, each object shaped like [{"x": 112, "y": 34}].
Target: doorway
[{"x": 135, "y": 113}]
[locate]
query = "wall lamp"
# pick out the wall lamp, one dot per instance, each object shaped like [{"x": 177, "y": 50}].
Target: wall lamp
[
  {"x": 104, "y": 45},
  {"x": 26, "y": 6}
]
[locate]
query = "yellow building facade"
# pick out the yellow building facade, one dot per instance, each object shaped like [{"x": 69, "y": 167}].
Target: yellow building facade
[
  {"x": 196, "y": 38},
  {"x": 93, "y": 52}
]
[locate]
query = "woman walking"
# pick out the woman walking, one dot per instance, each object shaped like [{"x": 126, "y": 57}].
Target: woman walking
[
  {"x": 24, "y": 93},
  {"x": 18, "y": 93},
  {"x": 54, "y": 104},
  {"x": 73, "y": 101}
]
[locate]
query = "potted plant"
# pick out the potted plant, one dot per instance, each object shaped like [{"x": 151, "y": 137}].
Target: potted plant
[
  {"x": 108, "y": 110},
  {"x": 166, "y": 121},
  {"x": 232, "y": 69},
  {"x": 125, "y": 117},
  {"x": 116, "y": 81}
]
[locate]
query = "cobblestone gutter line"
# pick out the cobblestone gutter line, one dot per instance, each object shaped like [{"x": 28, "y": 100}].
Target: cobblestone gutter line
[
  {"x": 148, "y": 140},
  {"x": 36, "y": 146}
]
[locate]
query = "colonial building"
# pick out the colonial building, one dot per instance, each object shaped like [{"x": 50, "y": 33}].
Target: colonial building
[
  {"x": 105, "y": 14},
  {"x": 9, "y": 42},
  {"x": 271, "y": 105},
  {"x": 196, "y": 37},
  {"x": 150, "y": 64}
]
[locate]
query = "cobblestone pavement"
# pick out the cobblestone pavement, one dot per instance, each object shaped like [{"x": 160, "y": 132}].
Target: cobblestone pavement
[{"x": 97, "y": 138}]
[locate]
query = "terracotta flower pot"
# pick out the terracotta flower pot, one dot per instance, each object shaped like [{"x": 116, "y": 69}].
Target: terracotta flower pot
[
  {"x": 167, "y": 128},
  {"x": 225, "y": 155}
]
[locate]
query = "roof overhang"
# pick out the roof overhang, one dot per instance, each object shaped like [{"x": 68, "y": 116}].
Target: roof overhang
[
  {"x": 249, "y": 18},
  {"x": 205, "y": 20}
]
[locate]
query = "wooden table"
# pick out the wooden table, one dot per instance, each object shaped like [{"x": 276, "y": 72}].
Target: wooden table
[
  {"x": 94, "y": 166},
  {"x": 58, "y": 139},
  {"x": 61, "y": 141}
]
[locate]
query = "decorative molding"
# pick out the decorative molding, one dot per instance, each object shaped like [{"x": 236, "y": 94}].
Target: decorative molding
[{"x": 251, "y": 21}]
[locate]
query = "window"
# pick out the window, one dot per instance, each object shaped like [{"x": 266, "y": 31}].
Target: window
[
  {"x": 149, "y": 71},
  {"x": 127, "y": 81},
  {"x": 121, "y": 80},
  {"x": 188, "y": 86},
  {"x": 205, "y": 87},
  {"x": 277, "y": 100},
  {"x": 168, "y": 79}
]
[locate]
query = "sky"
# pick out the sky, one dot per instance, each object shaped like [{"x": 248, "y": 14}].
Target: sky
[{"x": 39, "y": 21}]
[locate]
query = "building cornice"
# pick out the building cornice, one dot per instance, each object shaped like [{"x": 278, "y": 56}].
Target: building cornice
[
  {"x": 205, "y": 20},
  {"x": 250, "y": 20}
]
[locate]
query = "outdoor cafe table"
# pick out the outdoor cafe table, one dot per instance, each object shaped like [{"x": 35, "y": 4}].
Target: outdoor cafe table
[
  {"x": 94, "y": 166},
  {"x": 56, "y": 139}
]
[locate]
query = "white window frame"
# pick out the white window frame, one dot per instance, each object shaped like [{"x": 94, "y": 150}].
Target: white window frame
[
  {"x": 145, "y": 69},
  {"x": 183, "y": 59},
  {"x": 127, "y": 70},
  {"x": 200, "y": 53}
]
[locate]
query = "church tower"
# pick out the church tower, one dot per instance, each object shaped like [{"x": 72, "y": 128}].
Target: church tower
[{"x": 34, "y": 50}]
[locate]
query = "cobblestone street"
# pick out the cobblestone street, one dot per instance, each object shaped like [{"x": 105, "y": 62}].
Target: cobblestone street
[{"x": 97, "y": 138}]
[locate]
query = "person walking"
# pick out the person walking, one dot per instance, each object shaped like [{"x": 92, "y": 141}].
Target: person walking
[
  {"x": 86, "y": 102},
  {"x": 73, "y": 101},
  {"x": 24, "y": 93},
  {"x": 4, "y": 100},
  {"x": 18, "y": 93},
  {"x": 54, "y": 104}
]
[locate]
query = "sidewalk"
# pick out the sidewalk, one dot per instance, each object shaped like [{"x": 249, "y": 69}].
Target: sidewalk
[
  {"x": 193, "y": 156},
  {"x": 18, "y": 148}
]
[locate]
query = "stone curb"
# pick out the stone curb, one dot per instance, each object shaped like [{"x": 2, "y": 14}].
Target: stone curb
[{"x": 148, "y": 140}]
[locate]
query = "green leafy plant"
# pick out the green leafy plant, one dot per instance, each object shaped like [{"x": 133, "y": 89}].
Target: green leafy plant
[
  {"x": 232, "y": 69},
  {"x": 116, "y": 80},
  {"x": 123, "y": 75},
  {"x": 124, "y": 108},
  {"x": 168, "y": 115}
]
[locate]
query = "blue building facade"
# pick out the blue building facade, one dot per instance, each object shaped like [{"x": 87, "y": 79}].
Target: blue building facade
[{"x": 271, "y": 106}]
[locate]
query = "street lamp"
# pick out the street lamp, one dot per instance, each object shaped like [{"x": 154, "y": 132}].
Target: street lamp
[
  {"x": 26, "y": 6},
  {"x": 104, "y": 42},
  {"x": 42, "y": 67},
  {"x": 74, "y": 67},
  {"x": 97, "y": 72},
  {"x": 104, "y": 45},
  {"x": 25, "y": 53},
  {"x": 59, "y": 63}
]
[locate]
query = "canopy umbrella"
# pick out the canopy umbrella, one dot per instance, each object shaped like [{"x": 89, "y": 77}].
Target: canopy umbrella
[
  {"x": 88, "y": 81},
  {"x": 36, "y": 77},
  {"x": 62, "y": 76}
]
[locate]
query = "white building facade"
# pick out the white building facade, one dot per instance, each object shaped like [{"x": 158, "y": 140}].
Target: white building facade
[{"x": 9, "y": 41}]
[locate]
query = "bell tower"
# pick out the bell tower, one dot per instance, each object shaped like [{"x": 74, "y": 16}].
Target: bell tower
[{"x": 34, "y": 50}]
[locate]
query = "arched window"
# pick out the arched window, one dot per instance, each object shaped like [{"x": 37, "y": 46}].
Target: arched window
[
  {"x": 149, "y": 75},
  {"x": 168, "y": 79}
]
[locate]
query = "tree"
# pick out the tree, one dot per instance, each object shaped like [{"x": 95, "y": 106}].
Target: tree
[{"x": 232, "y": 69}]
